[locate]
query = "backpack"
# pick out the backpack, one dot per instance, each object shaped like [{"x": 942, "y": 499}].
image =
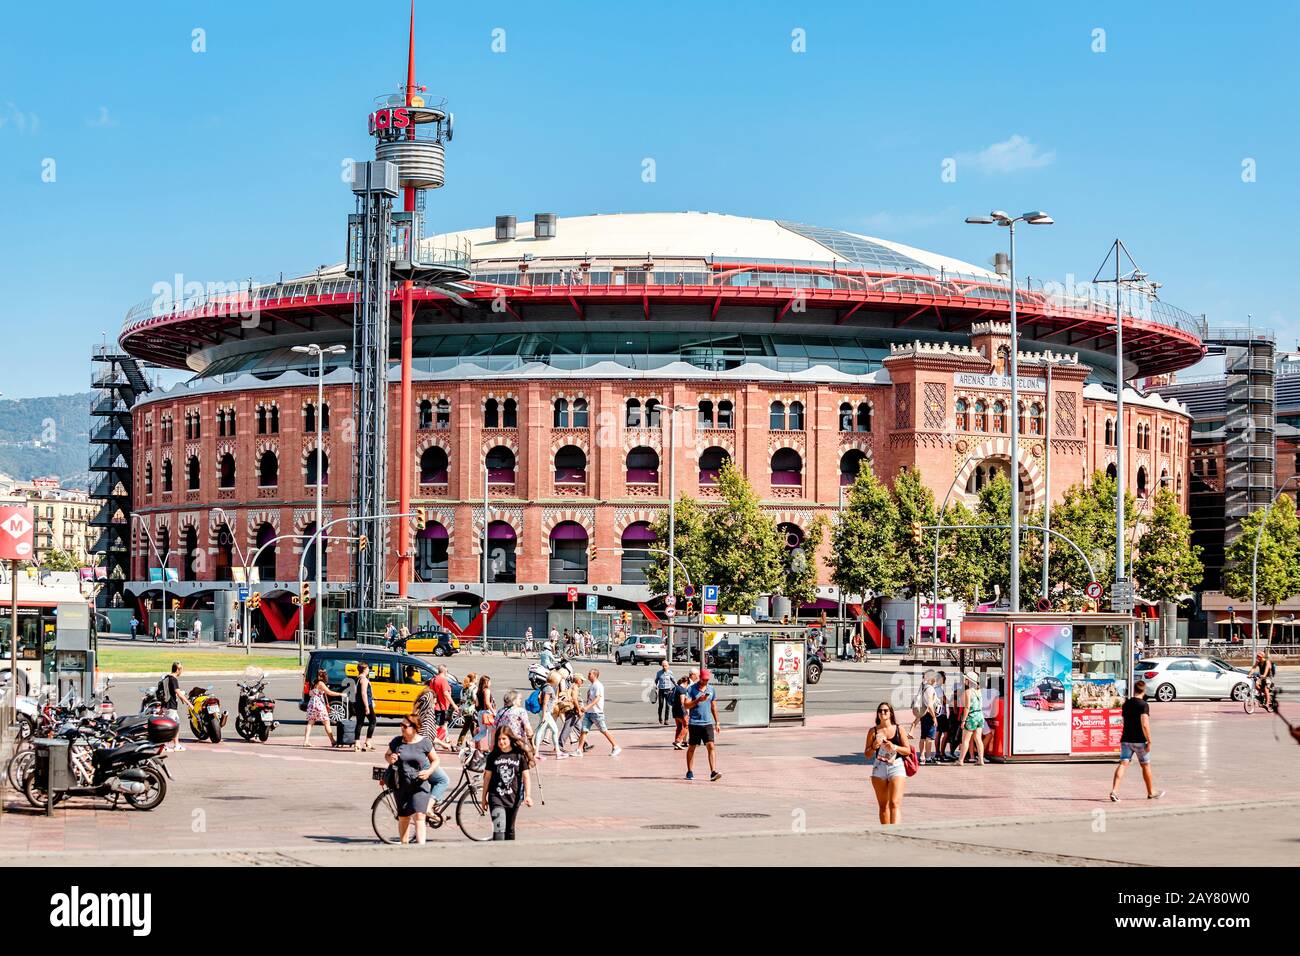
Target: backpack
[
  {"x": 534, "y": 703},
  {"x": 161, "y": 691}
]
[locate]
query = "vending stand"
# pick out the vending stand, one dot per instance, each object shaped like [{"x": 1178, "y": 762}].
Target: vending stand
[
  {"x": 1063, "y": 680},
  {"x": 758, "y": 670}
]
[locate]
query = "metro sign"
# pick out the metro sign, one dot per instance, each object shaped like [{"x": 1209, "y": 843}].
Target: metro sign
[{"x": 16, "y": 526}]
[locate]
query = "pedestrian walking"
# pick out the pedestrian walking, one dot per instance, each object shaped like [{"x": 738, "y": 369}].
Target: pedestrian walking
[
  {"x": 197, "y": 629},
  {"x": 528, "y": 641},
  {"x": 547, "y": 699},
  {"x": 318, "y": 711},
  {"x": 665, "y": 681},
  {"x": 252, "y": 633},
  {"x": 485, "y": 713},
  {"x": 513, "y": 717},
  {"x": 925, "y": 711},
  {"x": 943, "y": 693},
  {"x": 363, "y": 705},
  {"x": 506, "y": 783},
  {"x": 679, "y": 713},
  {"x": 135, "y": 626},
  {"x": 570, "y": 704},
  {"x": 593, "y": 715},
  {"x": 885, "y": 748},
  {"x": 172, "y": 697},
  {"x": 410, "y": 757},
  {"x": 157, "y": 633},
  {"x": 972, "y": 727},
  {"x": 702, "y": 723},
  {"x": 443, "y": 705},
  {"x": 468, "y": 711},
  {"x": 424, "y": 708},
  {"x": 1135, "y": 741}
]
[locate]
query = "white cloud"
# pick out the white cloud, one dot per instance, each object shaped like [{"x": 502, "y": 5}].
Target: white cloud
[
  {"x": 102, "y": 121},
  {"x": 11, "y": 115},
  {"x": 1009, "y": 156}
]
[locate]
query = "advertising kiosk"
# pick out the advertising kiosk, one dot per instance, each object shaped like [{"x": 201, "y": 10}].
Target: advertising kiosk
[
  {"x": 1064, "y": 678},
  {"x": 758, "y": 670}
]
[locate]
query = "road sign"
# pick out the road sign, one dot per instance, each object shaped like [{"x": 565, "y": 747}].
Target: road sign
[
  {"x": 710, "y": 605},
  {"x": 1121, "y": 596},
  {"x": 689, "y": 591},
  {"x": 670, "y": 601},
  {"x": 484, "y": 607},
  {"x": 573, "y": 595},
  {"x": 593, "y": 602},
  {"x": 1094, "y": 590},
  {"x": 670, "y": 613},
  {"x": 16, "y": 527},
  {"x": 243, "y": 592}
]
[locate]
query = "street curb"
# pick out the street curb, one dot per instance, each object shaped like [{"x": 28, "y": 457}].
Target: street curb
[{"x": 123, "y": 677}]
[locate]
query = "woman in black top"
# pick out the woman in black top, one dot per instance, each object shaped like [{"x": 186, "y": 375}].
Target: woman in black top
[
  {"x": 408, "y": 756},
  {"x": 505, "y": 781}
]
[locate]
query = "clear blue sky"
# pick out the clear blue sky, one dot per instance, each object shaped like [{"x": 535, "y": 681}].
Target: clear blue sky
[{"x": 226, "y": 164}]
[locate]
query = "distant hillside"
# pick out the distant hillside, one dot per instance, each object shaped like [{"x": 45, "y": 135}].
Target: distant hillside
[{"x": 46, "y": 436}]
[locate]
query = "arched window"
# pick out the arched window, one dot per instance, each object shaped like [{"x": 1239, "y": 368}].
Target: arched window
[
  {"x": 501, "y": 466},
  {"x": 1110, "y": 434},
  {"x": 1142, "y": 483},
  {"x": 705, "y": 416},
  {"x": 1021, "y": 425},
  {"x": 787, "y": 467},
  {"x": 632, "y": 419},
  {"x": 637, "y": 538},
  {"x": 1000, "y": 417},
  {"x": 501, "y": 552},
  {"x": 268, "y": 470},
  {"x": 570, "y": 465},
  {"x": 711, "y": 462},
  {"x": 726, "y": 414},
  {"x": 192, "y": 473},
  {"x": 1111, "y": 472},
  {"x": 433, "y": 466},
  {"x": 148, "y": 477},
  {"x": 864, "y": 416},
  {"x": 846, "y": 417},
  {"x": 776, "y": 416},
  {"x": 227, "y": 471},
  {"x": 795, "y": 422},
  {"x": 509, "y": 414},
  {"x": 266, "y": 556},
  {"x": 579, "y": 413},
  {"x": 221, "y": 423},
  {"x": 963, "y": 415},
  {"x": 982, "y": 416},
  {"x": 261, "y": 419},
  {"x": 1212, "y": 467},
  {"x": 426, "y": 414},
  {"x": 312, "y": 548},
  {"x": 652, "y": 409},
  {"x": 225, "y": 559},
  {"x": 850, "y": 464},
  {"x": 311, "y": 468},
  {"x": 1036, "y": 419},
  {"x": 189, "y": 554},
  {"x": 167, "y": 475},
  {"x": 309, "y": 419},
  {"x": 491, "y": 414},
  {"x": 275, "y": 419},
  {"x": 560, "y": 418},
  {"x": 642, "y": 466},
  {"x": 431, "y": 547},
  {"x": 568, "y": 564}
]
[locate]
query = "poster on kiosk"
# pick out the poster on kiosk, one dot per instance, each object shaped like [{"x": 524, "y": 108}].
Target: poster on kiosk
[{"x": 1041, "y": 689}]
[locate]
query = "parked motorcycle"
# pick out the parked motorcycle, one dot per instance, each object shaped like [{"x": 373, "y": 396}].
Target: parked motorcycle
[
  {"x": 206, "y": 716},
  {"x": 256, "y": 714},
  {"x": 107, "y": 767},
  {"x": 538, "y": 675}
]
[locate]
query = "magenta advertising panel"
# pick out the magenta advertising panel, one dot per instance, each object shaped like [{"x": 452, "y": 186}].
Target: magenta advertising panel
[{"x": 1041, "y": 689}]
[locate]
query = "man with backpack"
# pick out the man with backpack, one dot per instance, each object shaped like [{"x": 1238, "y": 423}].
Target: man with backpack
[
  {"x": 171, "y": 696},
  {"x": 925, "y": 711}
]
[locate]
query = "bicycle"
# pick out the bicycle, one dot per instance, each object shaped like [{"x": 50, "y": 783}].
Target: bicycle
[
  {"x": 472, "y": 815},
  {"x": 1255, "y": 698}
]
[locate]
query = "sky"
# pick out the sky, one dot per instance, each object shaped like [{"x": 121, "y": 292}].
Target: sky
[{"x": 133, "y": 148}]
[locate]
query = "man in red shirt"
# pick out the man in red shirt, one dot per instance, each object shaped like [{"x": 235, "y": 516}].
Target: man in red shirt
[{"x": 443, "y": 704}]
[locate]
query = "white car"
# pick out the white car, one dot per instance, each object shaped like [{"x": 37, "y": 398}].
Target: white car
[
  {"x": 1169, "y": 678},
  {"x": 641, "y": 649}
]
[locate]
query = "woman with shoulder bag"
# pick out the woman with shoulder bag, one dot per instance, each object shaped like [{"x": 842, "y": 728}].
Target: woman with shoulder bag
[
  {"x": 886, "y": 748},
  {"x": 409, "y": 757}
]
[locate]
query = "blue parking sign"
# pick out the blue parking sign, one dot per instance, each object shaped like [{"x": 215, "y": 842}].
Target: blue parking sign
[
  {"x": 710, "y": 594},
  {"x": 592, "y": 602}
]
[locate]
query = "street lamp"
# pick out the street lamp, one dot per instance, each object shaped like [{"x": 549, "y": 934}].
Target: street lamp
[
  {"x": 1254, "y": 568},
  {"x": 319, "y": 352},
  {"x": 672, "y": 514},
  {"x": 1035, "y": 218},
  {"x": 163, "y": 561}
]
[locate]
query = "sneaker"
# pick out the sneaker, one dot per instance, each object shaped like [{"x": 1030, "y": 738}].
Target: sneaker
[
  {"x": 616, "y": 751},
  {"x": 540, "y": 757},
  {"x": 1114, "y": 797},
  {"x": 586, "y": 747},
  {"x": 562, "y": 756},
  {"x": 576, "y": 753},
  {"x": 1156, "y": 796},
  {"x": 178, "y": 748},
  {"x": 690, "y": 775},
  {"x": 715, "y": 776}
]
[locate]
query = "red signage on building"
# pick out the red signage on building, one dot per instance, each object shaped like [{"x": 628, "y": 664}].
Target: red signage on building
[
  {"x": 573, "y": 595},
  {"x": 16, "y": 525},
  {"x": 389, "y": 119}
]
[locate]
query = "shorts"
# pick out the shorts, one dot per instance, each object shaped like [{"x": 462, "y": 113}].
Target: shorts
[
  {"x": 591, "y": 720},
  {"x": 927, "y": 727},
  {"x": 1128, "y": 751},
  {"x": 888, "y": 771},
  {"x": 697, "y": 734},
  {"x": 173, "y": 714}
]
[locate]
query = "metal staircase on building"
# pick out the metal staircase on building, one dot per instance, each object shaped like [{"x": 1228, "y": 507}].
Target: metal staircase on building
[{"x": 119, "y": 385}]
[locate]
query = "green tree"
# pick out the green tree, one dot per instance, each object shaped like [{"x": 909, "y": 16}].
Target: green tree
[
  {"x": 57, "y": 559},
  {"x": 746, "y": 556},
  {"x": 1168, "y": 566},
  {"x": 800, "y": 565},
  {"x": 962, "y": 570},
  {"x": 864, "y": 558},
  {"x": 915, "y": 504},
  {"x": 1086, "y": 515},
  {"x": 1279, "y": 550},
  {"x": 994, "y": 561},
  {"x": 691, "y": 545}
]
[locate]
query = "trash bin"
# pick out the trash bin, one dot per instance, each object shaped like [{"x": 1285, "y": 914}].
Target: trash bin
[{"x": 53, "y": 770}]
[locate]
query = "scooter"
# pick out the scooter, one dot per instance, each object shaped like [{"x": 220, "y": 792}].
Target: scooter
[
  {"x": 134, "y": 769},
  {"x": 538, "y": 675},
  {"x": 256, "y": 714},
  {"x": 206, "y": 716}
]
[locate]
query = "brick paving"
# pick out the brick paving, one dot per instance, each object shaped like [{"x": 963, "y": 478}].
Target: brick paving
[{"x": 277, "y": 796}]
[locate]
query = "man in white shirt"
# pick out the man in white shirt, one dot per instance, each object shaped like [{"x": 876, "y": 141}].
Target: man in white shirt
[{"x": 593, "y": 715}]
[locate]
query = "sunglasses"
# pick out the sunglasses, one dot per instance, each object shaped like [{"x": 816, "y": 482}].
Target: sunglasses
[{"x": 406, "y": 724}]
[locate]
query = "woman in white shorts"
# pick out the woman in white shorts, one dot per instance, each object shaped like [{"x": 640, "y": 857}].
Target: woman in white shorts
[{"x": 885, "y": 748}]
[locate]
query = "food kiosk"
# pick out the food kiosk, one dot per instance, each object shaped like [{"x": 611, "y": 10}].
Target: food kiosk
[{"x": 1063, "y": 680}]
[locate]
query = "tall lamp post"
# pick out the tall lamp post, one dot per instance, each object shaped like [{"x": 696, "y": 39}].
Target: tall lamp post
[
  {"x": 1035, "y": 218},
  {"x": 672, "y": 516},
  {"x": 163, "y": 561},
  {"x": 319, "y": 352},
  {"x": 1254, "y": 568}
]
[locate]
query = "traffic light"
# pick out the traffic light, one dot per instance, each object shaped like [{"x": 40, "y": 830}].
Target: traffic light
[
  {"x": 176, "y": 604},
  {"x": 362, "y": 543},
  {"x": 591, "y": 553},
  {"x": 255, "y": 600},
  {"x": 918, "y": 533},
  {"x": 306, "y": 592},
  {"x": 421, "y": 518}
]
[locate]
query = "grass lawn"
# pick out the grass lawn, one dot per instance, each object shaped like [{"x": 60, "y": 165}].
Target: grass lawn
[{"x": 118, "y": 660}]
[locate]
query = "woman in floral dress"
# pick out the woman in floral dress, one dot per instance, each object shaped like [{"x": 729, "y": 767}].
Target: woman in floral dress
[{"x": 318, "y": 711}]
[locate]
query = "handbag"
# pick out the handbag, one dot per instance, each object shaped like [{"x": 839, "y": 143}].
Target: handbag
[{"x": 911, "y": 764}]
